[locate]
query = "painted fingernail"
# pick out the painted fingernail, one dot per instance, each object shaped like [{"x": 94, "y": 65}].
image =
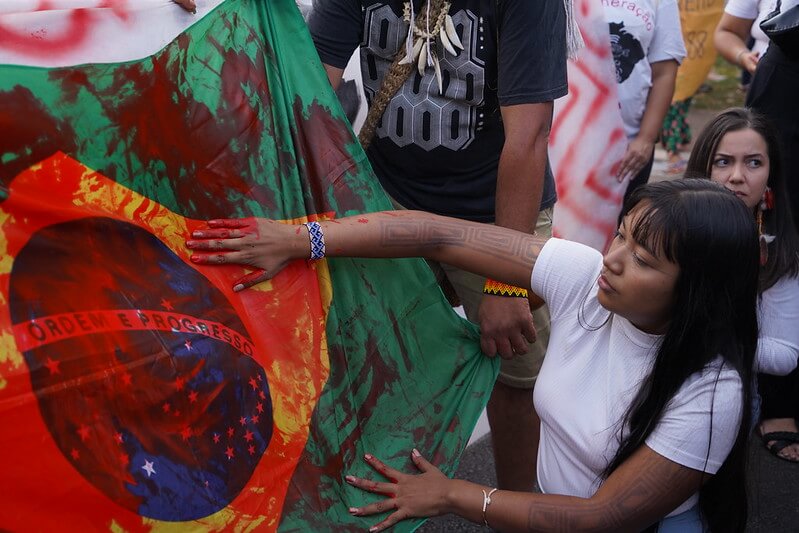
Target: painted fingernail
[
  {"x": 353, "y": 510},
  {"x": 372, "y": 529},
  {"x": 198, "y": 234},
  {"x": 195, "y": 258},
  {"x": 189, "y": 243},
  {"x": 238, "y": 288},
  {"x": 350, "y": 479},
  {"x": 416, "y": 453},
  {"x": 368, "y": 457}
]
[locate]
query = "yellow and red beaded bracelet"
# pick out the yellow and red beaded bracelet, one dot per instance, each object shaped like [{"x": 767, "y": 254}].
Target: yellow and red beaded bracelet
[{"x": 503, "y": 289}]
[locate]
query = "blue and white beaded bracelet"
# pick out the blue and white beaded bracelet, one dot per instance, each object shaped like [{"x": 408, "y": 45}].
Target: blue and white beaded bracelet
[{"x": 317, "y": 238}]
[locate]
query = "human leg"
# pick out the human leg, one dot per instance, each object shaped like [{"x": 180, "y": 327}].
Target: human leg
[
  {"x": 515, "y": 426},
  {"x": 780, "y": 409},
  {"x": 676, "y": 133}
]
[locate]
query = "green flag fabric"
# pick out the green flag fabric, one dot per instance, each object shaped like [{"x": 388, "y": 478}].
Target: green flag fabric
[{"x": 137, "y": 391}]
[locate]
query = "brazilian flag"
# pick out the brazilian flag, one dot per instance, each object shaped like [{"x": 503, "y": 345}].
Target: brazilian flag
[{"x": 137, "y": 391}]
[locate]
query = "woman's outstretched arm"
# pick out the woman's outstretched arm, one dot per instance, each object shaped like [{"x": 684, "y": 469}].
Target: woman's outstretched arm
[
  {"x": 267, "y": 246},
  {"x": 644, "y": 489}
]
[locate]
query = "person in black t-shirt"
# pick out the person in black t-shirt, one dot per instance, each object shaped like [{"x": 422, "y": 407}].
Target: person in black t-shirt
[{"x": 466, "y": 136}]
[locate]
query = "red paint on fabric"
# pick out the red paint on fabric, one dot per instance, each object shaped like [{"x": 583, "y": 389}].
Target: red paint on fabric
[
  {"x": 203, "y": 152},
  {"x": 319, "y": 142},
  {"x": 28, "y": 130},
  {"x": 111, "y": 388},
  {"x": 565, "y": 113}
]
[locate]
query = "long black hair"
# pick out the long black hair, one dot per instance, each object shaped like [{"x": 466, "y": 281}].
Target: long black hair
[
  {"x": 710, "y": 234},
  {"x": 783, "y": 258}
]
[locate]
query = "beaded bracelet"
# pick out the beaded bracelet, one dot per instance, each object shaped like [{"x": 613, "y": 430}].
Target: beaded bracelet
[
  {"x": 503, "y": 289},
  {"x": 317, "y": 238}
]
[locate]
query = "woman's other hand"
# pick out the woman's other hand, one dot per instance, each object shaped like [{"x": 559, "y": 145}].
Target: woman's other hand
[
  {"x": 409, "y": 495},
  {"x": 635, "y": 158},
  {"x": 265, "y": 245},
  {"x": 748, "y": 60},
  {"x": 730, "y": 39}
]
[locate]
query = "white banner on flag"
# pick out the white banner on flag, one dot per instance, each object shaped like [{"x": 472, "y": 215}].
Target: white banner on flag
[{"x": 58, "y": 33}]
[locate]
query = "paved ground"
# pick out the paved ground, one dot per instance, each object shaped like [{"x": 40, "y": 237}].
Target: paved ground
[
  {"x": 774, "y": 490},
  {"x": 697, "y": 118}
]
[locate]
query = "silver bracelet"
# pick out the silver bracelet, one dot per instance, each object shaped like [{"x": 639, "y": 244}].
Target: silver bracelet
[
  {"x": 486, "y": 503},
  {"x": 317, "y": 239}
]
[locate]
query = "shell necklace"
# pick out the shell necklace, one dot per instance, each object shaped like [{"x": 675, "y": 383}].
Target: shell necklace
[{"x": 421, "y": 52}]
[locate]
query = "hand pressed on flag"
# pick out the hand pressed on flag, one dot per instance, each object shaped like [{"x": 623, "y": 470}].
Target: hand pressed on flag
[{"x": 137, "y": 388}]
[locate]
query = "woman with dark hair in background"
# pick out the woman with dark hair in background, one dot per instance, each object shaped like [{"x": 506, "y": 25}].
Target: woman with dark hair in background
[
  {"x": 775, "y": 78},
  {"x": 739, "y": 149},
  {"x": 644, "y": 394}
]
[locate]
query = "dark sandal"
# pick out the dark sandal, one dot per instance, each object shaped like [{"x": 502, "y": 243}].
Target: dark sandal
[{"x": 781, "y": 439}]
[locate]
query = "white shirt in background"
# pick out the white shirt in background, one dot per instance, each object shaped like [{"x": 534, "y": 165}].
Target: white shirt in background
[
  {"x": 778, "y": 314},
  {"x": 642, "y": 32},
  {"x": 757, "y": 10}
]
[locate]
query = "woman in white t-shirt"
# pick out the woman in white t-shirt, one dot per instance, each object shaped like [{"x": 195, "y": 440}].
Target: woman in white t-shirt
[
  {"x": 642, "y": 392},
  {"x": 739, "y": 149},
  {"x": 740, "y": 21},
  {"x": 647, "y": 46}
]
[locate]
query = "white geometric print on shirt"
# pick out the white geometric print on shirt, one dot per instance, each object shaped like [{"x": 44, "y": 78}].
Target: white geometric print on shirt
[{"x": 418, "y": 114}]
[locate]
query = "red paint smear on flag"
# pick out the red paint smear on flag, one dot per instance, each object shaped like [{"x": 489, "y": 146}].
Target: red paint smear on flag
[{"x": 31, "y": 456}]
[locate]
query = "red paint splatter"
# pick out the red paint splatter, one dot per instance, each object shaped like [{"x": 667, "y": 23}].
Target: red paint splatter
[
  {"x": 122, "y": 270},
  {"x": 202, "y": 153},
  {"x": 29, "y": 130},
  {"x": 42, "y": 44},
  {"x": 319, "y": 142}
]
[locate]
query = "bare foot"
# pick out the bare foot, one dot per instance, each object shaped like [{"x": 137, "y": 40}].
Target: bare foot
[{"x": 790, "y": 452}]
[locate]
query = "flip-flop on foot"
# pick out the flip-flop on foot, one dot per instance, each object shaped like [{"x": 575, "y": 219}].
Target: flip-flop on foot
[{"x": 780, "y": 440}]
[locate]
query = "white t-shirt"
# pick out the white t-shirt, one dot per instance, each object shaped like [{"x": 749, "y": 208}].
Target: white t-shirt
[
  {"x": 589, "y": 379},
  {"x": 757, "y": 10},
  {"x": 641, "y": 32},
  {"x": 778, "y": 314}
]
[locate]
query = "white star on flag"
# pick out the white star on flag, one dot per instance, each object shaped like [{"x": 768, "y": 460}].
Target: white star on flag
[{"x": 148, "y": 467}]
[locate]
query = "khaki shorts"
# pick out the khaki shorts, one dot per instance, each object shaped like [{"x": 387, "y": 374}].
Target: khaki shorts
[{"x": 521, "y": 371}]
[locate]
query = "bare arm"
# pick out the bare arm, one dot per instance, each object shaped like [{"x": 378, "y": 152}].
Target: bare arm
[
  {"x": 639, "y": 493},
  {"x": 334, "y": 75},
  {"x": 266, "y": 245},
  {"x": 520, "y": 177},
  {"x": 664, "y": 75},
  {"x": 639, "y": 151},
  {"x": 730, "y": 39},
  {"x": 506, "y": 324},
  {"x": 778, "y": 344}
]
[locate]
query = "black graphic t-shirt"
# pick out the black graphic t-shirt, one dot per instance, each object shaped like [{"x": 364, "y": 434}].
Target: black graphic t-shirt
[{"x": 440, "y": 152}]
